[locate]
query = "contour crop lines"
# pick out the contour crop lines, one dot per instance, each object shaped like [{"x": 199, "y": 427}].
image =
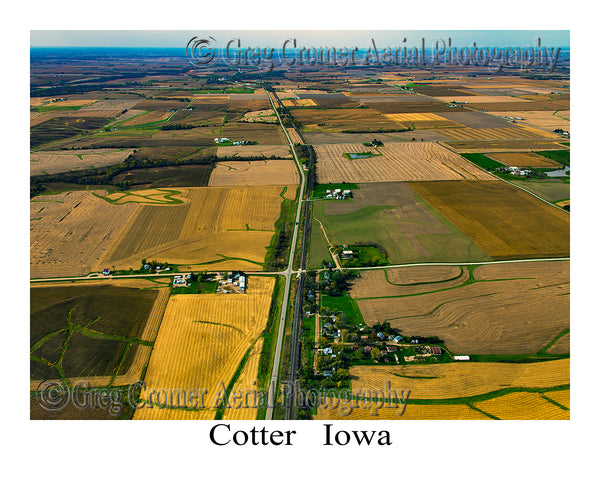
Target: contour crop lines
[
  {"x": 200, "y": 345},
  {"x": 461, "y": 379},
  {"x": 70, "y": 232},
  {"x": 217, "y": 223},
  {"x": 519, "y": 309}
]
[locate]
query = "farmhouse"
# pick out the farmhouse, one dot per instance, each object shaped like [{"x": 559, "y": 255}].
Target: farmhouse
[
  {"x": 436, "y": 350},
  {"x": 347, "y": 253},
  {"x": 178, "y": 281}
]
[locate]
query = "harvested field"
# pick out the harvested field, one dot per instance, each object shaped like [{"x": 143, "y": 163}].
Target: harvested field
[
  {"x": 304, "y": 102},
  {"x": 339, "y": 119},
  {"x": 63, "y": 161},
  {"x": 563, "y": 397},
  {"x": 267, "y": 151},
  {"x": 460, "y": 380},
  {"x": 78, "y": 102},
  {"x": 150, "y": 197},
  {"x": 216, "y": 224},
  {"x": 523, "y": 406},
  {"x": 254, "y": 132},
  {"x": 547, "y": 120},
  {"x": 483, "y": 99},
  {"x": 413, "y": 280},
  {"x": 421, "y": 121},
  {"x": 202, "y": 340},
  {"x": 515, "y": 308},
  {"x": 70, "y": 232},
  {"x": 260, "y": 172},
  {"x": 261, "y": 116},
  {"x": 116, "y": 104},
  {"x": 397, "y": 162},
  {"x": 392, "y": 216},
  {"x": 561, "y": 346},
  {"x": 412, "y": 104},
  {"x": 160, "y": 105},
  {"x": 411, "y": 412},
  {"x": 496, "y": 133},
  {"x": 524, "y": 159},
  {"x": 476, "y": 119},
  {"x": 245, "y": 387},
  {"x": 148, "y": 117},
  {"x": 503, "y": 221},
  {"x": 483, "y": 146},
  {"x": 390, "y": 137},
  {"x": 294, "y": 135}
]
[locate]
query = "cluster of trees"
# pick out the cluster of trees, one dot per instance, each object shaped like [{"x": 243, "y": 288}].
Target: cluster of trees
[
  {"x": 177, "y": 126},
  {"x": 106, "y": 175}
]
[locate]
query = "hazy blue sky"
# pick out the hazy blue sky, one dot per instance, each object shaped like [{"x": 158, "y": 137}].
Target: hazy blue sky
[{"x": 264, "y": 38}]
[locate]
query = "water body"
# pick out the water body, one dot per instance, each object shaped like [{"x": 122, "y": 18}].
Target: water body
[
  {"x": 559, "y": 173},
  {"x": 355, "y": 156}
]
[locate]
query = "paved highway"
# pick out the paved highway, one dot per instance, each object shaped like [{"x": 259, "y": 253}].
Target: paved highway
[{"x": 288, "y": 274}]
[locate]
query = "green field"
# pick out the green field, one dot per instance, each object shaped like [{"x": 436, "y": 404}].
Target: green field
[
  {"x": 482, "y": 161},
  {"x": 394, "y": 217},
  {"x": 560, "y": 156},
  {"x": 363, "y": 256},
  {"x": 343, "y": 304},
  {"x": 553, "y": 191}
]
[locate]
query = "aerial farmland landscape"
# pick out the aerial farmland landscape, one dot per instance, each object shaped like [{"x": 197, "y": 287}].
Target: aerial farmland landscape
[{"x": 310, "y": 241}]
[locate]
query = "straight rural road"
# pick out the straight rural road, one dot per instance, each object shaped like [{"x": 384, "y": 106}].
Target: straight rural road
[{"x": 288, "y": 275}]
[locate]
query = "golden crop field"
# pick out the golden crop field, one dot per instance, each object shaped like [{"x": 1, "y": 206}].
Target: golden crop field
[
  {"x": 460, "y": 379},
  {"x": 294, "y": 135},
  {"x": 152, "y": 196},
  {"x": 563, "y": 397},
  {"x": 70, "y": 232},
  {"x": 546, "y": 119},
  {"x": 411, "y": 412},
  {"x": 259, "y": 172},
  {"x": 214, "y": 224},
  {"x": 201, "y": 343},
  {"x": 421, "y": 161},
  {"x": 523, "y": 406},
  {"x": 518, "y": 311},
  {"x": 421, "y": 121},
  {"x": 63, "y": 161},
  {"x": 239, "y": 405},
  {"x": 305, "y": 102}
]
